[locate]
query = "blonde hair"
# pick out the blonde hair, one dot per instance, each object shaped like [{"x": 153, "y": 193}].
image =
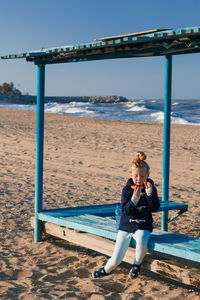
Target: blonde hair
[{"x": 139, "y": 161}]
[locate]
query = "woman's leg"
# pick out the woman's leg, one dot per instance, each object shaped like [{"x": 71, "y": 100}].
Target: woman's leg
[
  {"x": 121, "y": 246},
  {"x": 141, "y": 237}
]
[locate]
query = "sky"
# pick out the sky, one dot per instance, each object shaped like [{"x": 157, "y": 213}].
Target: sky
[{"x": 31, "y": 25}]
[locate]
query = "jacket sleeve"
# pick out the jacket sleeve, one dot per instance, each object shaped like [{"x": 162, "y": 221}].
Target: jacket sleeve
[
  {"x": 128, "y": 207},
  {"x": 153, "y": 200}
]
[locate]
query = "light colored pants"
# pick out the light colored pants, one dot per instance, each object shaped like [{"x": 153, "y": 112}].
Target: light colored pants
[{"x": 122, "y": 243}]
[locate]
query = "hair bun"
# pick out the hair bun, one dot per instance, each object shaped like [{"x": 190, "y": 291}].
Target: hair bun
[{"x": 140, "y": 155}]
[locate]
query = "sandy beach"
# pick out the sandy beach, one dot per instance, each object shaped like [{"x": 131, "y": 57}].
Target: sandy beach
[{"x": 86, "y": 162}]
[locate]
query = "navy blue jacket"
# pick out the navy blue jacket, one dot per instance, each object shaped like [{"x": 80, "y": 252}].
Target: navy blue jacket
[{"x": 140, "y": 215}]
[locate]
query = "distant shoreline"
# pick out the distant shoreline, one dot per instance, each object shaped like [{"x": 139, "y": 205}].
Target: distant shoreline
[{"x": 26, "y": 99}]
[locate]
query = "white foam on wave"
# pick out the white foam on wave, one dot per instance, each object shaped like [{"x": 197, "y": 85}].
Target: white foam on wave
[
  {"x": 67, "y": 108},
  {"x": 132, "y": 106},
  {"x": 75, "y": 110},
  {"x": 159, "y": 117},
  {"x": 138, "y": 108},
  {"x": 180, "y": 121},
  {"x": 74, "y": 103}
]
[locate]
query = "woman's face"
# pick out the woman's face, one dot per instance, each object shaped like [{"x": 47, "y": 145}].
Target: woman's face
[{"x": 139, "y": 175}]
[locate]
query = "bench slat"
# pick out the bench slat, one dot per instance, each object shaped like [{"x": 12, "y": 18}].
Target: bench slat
[{"x": 106, "y": 210}]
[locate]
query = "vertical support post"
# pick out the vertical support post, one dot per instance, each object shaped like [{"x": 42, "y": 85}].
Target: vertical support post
[
  {"x": 39, "y": 150},
  {"x": 166, "y": 137}
]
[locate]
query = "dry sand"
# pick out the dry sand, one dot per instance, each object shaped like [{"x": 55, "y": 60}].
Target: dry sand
[{"x": 86, "y": 162}]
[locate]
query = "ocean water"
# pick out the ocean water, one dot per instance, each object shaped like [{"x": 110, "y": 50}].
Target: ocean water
[{"x": 142, "y": 110}]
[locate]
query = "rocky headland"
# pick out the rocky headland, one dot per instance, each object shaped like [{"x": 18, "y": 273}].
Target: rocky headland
[{"x": 28, "y": 99}]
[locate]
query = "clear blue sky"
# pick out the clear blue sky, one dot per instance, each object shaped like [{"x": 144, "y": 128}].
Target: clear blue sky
[{"x": 31, "y": 25}]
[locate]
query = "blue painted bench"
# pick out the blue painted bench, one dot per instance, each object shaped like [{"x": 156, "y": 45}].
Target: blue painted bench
[
  {"x": 96, "y": 220},
  {"x": 161, "y": 241}
]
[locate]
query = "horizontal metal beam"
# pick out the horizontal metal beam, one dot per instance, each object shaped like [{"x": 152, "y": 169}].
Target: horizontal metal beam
[{"x": 114, "y": 54}]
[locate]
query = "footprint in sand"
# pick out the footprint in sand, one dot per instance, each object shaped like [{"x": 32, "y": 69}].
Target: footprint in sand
[
  {"x": 82, "y": 273},
  {"x": 14, "y": 274},
  {"x": 68, "y": 260},
  {"x": 115, "y": 287},
  {"x": 68, "y": 274}
]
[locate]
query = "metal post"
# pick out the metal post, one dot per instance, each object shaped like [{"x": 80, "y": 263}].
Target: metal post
[
  {"x": 166, "y": 138},
  {"x": 39, "y": 149}
]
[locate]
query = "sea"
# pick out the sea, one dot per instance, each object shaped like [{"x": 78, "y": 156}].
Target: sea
[{"x": 183, "y": 111}]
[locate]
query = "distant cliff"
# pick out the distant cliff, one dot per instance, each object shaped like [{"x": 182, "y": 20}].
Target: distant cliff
[{"x": 24, "y": 99}]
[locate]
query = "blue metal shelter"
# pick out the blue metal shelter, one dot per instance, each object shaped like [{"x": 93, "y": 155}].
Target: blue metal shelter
[{"x": 150, "y": 43}]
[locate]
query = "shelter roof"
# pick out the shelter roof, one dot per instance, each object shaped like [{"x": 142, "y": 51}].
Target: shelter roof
[{"x": 154, "y": 42}]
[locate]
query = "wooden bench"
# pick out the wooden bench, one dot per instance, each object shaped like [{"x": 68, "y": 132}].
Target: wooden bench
[
  {"x": 90, "y": 219},
  {"x": 97, "y": 222},
  {"x": 99, "y": 233}
]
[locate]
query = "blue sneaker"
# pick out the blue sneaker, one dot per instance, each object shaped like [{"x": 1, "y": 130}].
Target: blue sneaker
[
  {"x": 134, "y": 272},
  {"x": 99, "y": 273}
]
